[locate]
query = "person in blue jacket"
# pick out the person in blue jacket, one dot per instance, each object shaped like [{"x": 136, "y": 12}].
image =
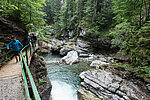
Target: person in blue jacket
[{"x": 15, "y": 46}]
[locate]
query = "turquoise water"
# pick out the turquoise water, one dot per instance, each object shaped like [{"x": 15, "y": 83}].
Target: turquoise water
[{"x": 64, "y": 78}]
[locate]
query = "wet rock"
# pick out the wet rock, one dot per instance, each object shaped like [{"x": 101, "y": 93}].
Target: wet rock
[
  {"x": 82, "y": 43},
  {"x": 56, "y": 49},
  {"x": 81, "y": 50},
  {"x": 83, "y": 94},
  {"x": 70, "y": 58},
  {"x": 43, "y": 51},
  {"x": 42, "y": 62},
  {"x": 83, "y": 55},
  {"x": 53, "y": 62},
  {"x": 65, "y": 50},
  {"x": 98, "y": 63},
  {"x": 57, "y": 42},
  {"x": 82, "y": 32},
  {"x": 109, "y": 86},
  {"x": 148, "y": 87}
]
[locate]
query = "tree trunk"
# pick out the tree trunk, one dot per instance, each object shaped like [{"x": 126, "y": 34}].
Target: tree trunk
[
  {"x": 95, "y": 10},
  {"x": 140, "y": 23}
]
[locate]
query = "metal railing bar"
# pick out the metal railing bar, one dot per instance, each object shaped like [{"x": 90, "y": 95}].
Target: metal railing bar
[
  {"x": 34, "y": 89},
  {"x": 25, "y": 82}
]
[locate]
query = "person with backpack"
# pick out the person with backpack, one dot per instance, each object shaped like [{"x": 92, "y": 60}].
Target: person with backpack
[{"x": 16, "y": 47}]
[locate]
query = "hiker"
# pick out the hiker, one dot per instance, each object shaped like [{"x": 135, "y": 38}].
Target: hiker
[
  {"x": 28, "y": 39},
  {"x": 33, "y": 39},
  {"x": 15, "y": 46}
]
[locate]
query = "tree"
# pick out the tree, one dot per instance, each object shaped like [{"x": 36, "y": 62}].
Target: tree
[
  {"x": 23, "y": 11},
  {"x": 131, "y": 32}
]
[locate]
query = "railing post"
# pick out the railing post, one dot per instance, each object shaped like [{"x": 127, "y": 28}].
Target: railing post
[
  {"x": 30, "y": 49},
  {"x": 24, "y": 67},
  {"x": 27, "y": 56}
]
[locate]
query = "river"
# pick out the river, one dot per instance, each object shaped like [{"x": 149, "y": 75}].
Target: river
[{"x": 64, "y": 78}]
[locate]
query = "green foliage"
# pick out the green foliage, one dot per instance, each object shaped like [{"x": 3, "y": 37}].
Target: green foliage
[
  {"x": 72, "y": 14},
  {"x": 24, "y": 11},
  {"x": 2, "y": 43},
  {"x": 45, "y": 32},
  {"x": 132, "y": 32},
  {"x": 142, "y": 71},
  {"x": 41, "y": 81}
]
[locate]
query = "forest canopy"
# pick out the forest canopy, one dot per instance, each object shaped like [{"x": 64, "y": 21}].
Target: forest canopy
[{"x": 26, "y": 12}]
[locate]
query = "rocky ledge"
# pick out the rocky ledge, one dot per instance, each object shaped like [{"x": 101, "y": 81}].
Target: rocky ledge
[
  {"x": 108, "y": 86},
  {"x": 39, "y": 73}
]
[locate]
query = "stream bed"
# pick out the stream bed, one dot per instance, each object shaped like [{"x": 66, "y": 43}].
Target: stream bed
[{"x": 64, "y": 78}]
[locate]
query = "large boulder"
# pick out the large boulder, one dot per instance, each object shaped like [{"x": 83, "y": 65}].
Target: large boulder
[
  {"x": 70, "y": 58},
  {"x": 108, "y": 86},
  {"x": 65, "y": 50}
]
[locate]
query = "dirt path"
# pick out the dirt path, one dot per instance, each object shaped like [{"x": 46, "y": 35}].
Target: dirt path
[{"x": 11, "y": 83}]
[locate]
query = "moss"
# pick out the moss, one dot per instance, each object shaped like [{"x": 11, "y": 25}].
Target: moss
[
  {"x": 51, "y": 98},
  {"x": 41, "y": 57},
  {"x": 41, "y": 81},
  {"x": 2, "y": 43}
]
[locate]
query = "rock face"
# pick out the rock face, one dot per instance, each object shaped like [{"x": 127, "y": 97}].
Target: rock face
[
  {"x": 70, "y": 58},
  {"x": 44, "y": 48},
  {"x": 108, "y": 86},
  {"x": 39, "y": 73},
  {"x": 98, "y": 63},
  {"x": 7, "y": 29},
  {"x": 99, "y": 45}
]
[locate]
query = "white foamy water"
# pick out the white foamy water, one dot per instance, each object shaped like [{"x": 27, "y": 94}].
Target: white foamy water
[{"x": 63, "y": 91}]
